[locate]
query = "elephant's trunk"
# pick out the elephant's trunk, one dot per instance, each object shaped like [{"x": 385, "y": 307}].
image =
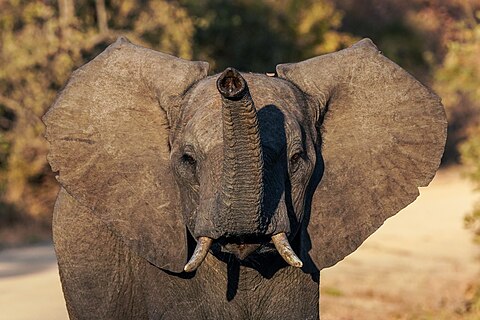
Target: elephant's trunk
[{"x": 242, "y": 176}]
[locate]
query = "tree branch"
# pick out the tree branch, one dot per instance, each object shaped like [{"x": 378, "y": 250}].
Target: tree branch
[
  {"x": 101, "y": 16},
  {"x": 66, "y": 10}
]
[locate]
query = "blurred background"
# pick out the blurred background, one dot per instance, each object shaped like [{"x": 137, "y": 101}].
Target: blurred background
[{"x": 421, "y": 265}]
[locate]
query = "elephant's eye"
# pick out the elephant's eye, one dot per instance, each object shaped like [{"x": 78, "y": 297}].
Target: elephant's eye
[
  {"x": 189, "y": 160},
  {"x": 186, "y": 167},
  {"x": 295, "y": 160}
]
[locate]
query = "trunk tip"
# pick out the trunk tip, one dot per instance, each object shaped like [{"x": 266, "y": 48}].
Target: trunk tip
[{"x": 231, "y": 84}]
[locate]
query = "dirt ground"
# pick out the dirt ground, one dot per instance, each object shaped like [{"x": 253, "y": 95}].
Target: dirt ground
[
  {"x": 421, "y": 262},
  {"x": 29, "y": 285}
]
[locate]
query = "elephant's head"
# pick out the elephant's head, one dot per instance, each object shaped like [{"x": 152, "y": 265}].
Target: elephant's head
[{"x": 310, "y": 162}]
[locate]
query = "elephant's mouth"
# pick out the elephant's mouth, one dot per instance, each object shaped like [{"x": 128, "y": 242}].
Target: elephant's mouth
[
  {"x": 241, "y": 250},
  {"x": 242, "y": 247}
]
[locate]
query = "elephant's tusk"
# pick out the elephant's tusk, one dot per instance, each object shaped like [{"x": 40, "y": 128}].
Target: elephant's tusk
[
  {"x": 283, "y": 247},
  {"x": 201, "y": 250}
]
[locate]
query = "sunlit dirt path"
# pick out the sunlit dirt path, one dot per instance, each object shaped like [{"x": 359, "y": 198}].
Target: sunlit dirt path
[
  {"x": 421, "y": 260},
  {"x": 30, "y": 285}
]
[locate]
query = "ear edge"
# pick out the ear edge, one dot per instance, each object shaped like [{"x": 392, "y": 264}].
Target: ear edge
[
  {"x": 284, "y": 69},
  {"x": 365, "y": 43},
  {"x": 123, "y": 42}
]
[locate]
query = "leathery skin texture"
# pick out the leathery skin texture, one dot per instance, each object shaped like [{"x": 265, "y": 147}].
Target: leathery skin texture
[
  {"x": 194, "y": 196},
  {"x": 112, "y": 282}
]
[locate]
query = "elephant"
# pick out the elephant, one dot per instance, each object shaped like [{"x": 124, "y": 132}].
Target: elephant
[{"x": 186, "y": 195}]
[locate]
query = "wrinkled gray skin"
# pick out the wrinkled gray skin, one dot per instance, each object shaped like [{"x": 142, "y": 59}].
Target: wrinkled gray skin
[{"x": 152, "y": 155}]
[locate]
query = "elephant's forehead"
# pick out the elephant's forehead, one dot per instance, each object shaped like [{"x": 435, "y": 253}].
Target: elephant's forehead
[{"x": 279, "y": 105}]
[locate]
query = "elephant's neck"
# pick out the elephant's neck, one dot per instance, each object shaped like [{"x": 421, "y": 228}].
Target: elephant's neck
[
  {"x": 228, "y": 290},
  {"x": 287, "y": 288}
]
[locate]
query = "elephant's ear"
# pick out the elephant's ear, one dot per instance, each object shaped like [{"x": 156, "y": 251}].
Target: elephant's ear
[
  {"x": 382, "y": 135},
  {"x": 109, "y": 141}
]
